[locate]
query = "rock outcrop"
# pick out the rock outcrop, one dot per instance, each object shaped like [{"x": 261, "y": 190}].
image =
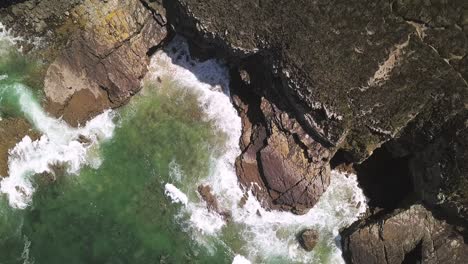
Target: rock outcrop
[
  {"x": 280, "y": 163},
  {"x": 351, "y": 76},
  {"x": 98, "y": 50},
  {"x": 107, "y": 56},
  {"x": 411, "y": 235},
  {"x": 322, "y": 82},
  {"x": 91, "y": 55},
  {"x": 44, "y": 25}
]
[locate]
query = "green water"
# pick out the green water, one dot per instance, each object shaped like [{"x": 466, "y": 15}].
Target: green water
[{"x": 118, "y": 213}]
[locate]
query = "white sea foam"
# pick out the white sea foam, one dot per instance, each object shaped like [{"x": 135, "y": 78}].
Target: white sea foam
[
  {"x": 7, "y": 39},
  {"x": 26, "y": 250},
  {"x": 60, "y": 144},
  {"x": 175, "y": 194},
  {"x": 175, "y": 171},
  {"x": 238, "y": 259},
  {"x": 264, "y": 235}
]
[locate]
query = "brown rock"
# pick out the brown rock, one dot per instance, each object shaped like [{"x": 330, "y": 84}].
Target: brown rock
[
  {"x": 308, "y": 239},
  {"x": 207, "y": 195},
  {"x": 212, "y": 203},
  {"x": 408, "y": 236},
  {"x": 84, "y": 140},
  {"x": 107, "y": 57},
  {"x": 285, "y": 168},
  {"x": 80, "y": 106}
]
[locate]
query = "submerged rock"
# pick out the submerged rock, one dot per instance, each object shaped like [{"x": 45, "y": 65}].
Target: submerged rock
[
  {"x": 12, "y": 130},
  {"x": 207, "y": 195},
  {"x": 308, "y": 239}
]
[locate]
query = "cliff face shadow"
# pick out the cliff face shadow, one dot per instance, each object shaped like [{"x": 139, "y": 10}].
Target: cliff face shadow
[
  {"x": 6, "y": 3},
  {"x": 386, "y": 180},
  {"x": 207, "y": 69}
]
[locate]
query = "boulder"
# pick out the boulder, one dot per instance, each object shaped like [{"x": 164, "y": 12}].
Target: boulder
[{"x": 308, "y": 239}]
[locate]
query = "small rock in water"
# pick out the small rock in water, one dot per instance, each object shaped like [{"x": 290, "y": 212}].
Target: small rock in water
[
  {"x": 84, "y": 140},
  {"x": 208, "y": 197},
  {"x": 211, "y": 202},
  {"x": 243, "y": 201},
  {"x": 308, "y": 239}
]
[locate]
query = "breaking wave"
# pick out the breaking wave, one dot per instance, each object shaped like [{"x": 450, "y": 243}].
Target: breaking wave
[{"x": 59, "y": 145}]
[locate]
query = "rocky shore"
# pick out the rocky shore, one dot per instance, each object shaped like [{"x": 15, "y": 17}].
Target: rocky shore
[{"x": 376, "y": 86}]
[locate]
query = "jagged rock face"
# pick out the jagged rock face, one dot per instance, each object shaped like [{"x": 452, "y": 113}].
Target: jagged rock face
[
  {"x": 440, "y": 169},
  {"x": 290, "y": 164},
  {"x": 406, "y": 236},
  {"x": 107, "y": 56},
  {"x": 353, "y": 76},
  {"x": 283, "y": 166}
]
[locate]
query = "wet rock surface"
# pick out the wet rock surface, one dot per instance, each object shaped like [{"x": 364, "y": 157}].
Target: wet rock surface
[
  {"x": 308, "y": 239},
  {"x": 12, "y": 130},
  {"x": 211, "y": 201},
  {"x": 410, "y": 235}
]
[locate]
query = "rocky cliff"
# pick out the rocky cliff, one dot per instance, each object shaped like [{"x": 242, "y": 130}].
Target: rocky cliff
[
  {"x": 378, "y": 85},
  {"x": 336, "y": 81}
]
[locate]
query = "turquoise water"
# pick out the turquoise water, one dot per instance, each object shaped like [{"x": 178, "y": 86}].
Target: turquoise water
[{"x": 129, "y": 195}]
